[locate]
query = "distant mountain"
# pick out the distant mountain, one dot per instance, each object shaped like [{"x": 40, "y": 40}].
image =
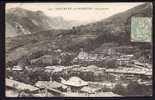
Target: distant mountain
[
  {"x": 115, "y": 29},
  {"x": 20, "y": 21}
]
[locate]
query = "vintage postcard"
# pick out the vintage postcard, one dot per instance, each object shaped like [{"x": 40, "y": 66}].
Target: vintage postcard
[{"x": 78, "y": 49}]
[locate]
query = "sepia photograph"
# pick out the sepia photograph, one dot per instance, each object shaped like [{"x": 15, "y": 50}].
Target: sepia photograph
[{"x": 78, "y": 49}]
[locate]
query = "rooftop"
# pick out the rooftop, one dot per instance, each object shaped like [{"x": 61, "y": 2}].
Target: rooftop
[{"x": 19, "y": 85}]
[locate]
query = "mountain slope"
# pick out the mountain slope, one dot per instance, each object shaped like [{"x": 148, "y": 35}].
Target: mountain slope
[
  {"x": 119, "y": 24},
  {"x": 21, "y": 21}
]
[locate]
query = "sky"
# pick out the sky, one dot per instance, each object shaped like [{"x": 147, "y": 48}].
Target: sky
[{"x": 83, "y": 12}]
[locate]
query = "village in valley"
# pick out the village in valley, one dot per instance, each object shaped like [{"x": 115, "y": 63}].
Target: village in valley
[
  {"x": 94, "y": 60},
  {"x": 85, "y": 77}
]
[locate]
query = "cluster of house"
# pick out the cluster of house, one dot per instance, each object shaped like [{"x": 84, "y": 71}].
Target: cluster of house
[
  {"x": 84, "y": 56},
  {"x": 75, "y": 86},
  {"x": 102, "y": 56},
  {"x": 129, "y": 70}
]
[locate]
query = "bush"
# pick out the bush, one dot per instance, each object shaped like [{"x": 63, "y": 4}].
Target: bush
[
  {"x": 110, "y": 63},
  {"x": 106, "y": 89},
  {"x": 10, "y": 64},
  {"x": 135, "y": 89},
  {"x": 119, "y": 89}
]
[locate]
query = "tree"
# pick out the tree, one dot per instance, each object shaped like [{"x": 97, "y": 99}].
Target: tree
[
  {"x": 119, "y": 89},
  {"x": 136, "y": 89},
  {"x": 24, "y": 61},
  {"x": 110, "y": 63},
  {"x": 73, "y": 29}
]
